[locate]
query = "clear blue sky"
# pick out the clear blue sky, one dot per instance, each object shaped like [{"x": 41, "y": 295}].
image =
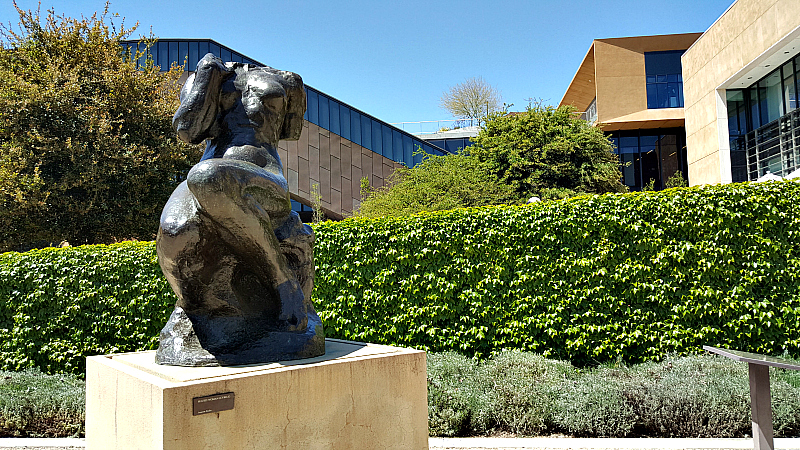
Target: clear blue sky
[{"x": 393, "y": 59}]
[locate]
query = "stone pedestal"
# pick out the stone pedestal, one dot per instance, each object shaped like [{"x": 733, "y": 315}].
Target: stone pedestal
[{"x": 356, "y": 396}]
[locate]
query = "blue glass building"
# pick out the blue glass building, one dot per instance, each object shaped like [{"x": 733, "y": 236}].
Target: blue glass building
[{"x": 339, "y": 146}]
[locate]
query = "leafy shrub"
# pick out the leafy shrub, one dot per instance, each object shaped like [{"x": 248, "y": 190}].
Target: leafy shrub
[
  {"x": 58, "y": 306},
  {"x": 36, "y": 405},
  {"x": 594, "y": 405},
  {"x": 693, "y": 396},
  {"x": 87, "y": 149},
  {"x": 437, "y": 183},
  {"x": 703, "y": 396},
  {"x": 516, "y": 392},
  {"x": 451, "y": 394}
]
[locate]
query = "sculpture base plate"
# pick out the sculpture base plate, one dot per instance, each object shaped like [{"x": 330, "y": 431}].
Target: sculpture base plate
[{"x": 356, "y": 396}]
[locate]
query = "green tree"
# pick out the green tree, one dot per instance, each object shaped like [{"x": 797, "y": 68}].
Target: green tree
[
  {"x": 437, "y": 183},
  {"x": 87, "y": 150},
  {"x": 547, "y": 152}
]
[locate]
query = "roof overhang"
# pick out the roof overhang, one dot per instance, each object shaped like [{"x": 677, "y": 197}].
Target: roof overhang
[
  {"x": 780, "y": 52},
  {"x": 582, "y": 91}
]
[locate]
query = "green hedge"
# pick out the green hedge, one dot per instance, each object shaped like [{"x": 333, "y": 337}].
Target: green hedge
[
  {"x": 590, "y": 279},
  {"x": 59, "y": 305}
]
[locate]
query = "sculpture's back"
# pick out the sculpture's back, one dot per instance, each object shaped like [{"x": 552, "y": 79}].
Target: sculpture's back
[{"x": 238, "y": 258}]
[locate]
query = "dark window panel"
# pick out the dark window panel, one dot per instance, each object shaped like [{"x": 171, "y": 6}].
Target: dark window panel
[
  {"x": 225, "y": 55},
  {"x": 366, "y": 132},
  {"x": 163, "y": 55},
  {"x": 657, "y": 63},
  {"x": 213, "y": 48},
  {"x": 355, "y": 127},
  {"x": 235, "y": 57},
  {"x": 334, "y": 117},
  {"x": 408, "y": 150},
  {"x": 174, "y": 54},
  {"x": 386, "y": 134},
  {"x": 324, "y": 112},
  {"x": 377, "y": 137},
  {"x": 454, "y": 145},
  {"x": 183, "y": 55},
  {"x": 202, "y": 49},
  {"x": 628, "y": 170},
  {"x": 313, "y": 107},
  {"x": 194, "y": 56},
  {"x": 344, "y": 121},
  {"x": 652, "y": 96}
]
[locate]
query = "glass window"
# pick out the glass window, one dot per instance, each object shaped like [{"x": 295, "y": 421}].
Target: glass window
[
  {"x": 173, "y": 53},
  {"x": 668, "y": 144},
  {"x": 213, "y": 48},
  {"x": 772, "y": 101},
  {"x": 664, "y": 82},
  {"x": 652, "y": 95},
  {"x": 377, "y": 137},
  {"x": 789, "y": 88},
  {"x": 313, "y": 107},
  {"x": 397, "y": 146},
  {"x": 355, "y": 127},
  {"x": 183, "y": 56},
  {"x": 324, "y": 112},
  {"x": 225, "y": 55},
  {"x": 648, "y": 144},
  {"x": 755, "y": 117},
  {"x": 629, "y": 144},
  {"x": 663, "y": 63},
  {"x": 366, "y": 132},
  {"x": 235, "y": 57},
  {"x": 194, "y": 56},
  {"x": 163, "y": 56},
  {"x": 408, "y": 150},
  {"x": 735, "y": 103},
  {"x": 663, "y": 98},
  {"x": 615, "y": 142},
  {"x": 387, "y": 147},
  {"x": 650, "y": 170},
  {"x": 334, "y": 117},
  {"x": 629, "y": 171},
  {"x": 344, "y": 121},
  {"x": 453, "y": 145},
  {"x": 202, "y": 49}
]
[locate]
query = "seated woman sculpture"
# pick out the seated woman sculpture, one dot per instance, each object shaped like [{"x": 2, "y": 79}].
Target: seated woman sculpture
[{"x": 237, "y": 256}]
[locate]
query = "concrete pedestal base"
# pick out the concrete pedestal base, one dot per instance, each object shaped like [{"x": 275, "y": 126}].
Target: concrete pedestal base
[{"x": 356, "y": 396}]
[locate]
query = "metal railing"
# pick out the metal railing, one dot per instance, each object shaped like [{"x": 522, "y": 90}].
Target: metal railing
[{"x": 435, "y": 126}]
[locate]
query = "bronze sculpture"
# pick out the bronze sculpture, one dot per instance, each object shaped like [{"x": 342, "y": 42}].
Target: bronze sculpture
[{"x": 238, "y": 258}]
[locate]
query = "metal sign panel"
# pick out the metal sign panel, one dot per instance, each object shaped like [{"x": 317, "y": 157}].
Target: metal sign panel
[{"x": 212, "y": 403}]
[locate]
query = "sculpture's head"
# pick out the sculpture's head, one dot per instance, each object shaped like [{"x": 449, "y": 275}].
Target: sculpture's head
[{"x": 274, "y": 101}]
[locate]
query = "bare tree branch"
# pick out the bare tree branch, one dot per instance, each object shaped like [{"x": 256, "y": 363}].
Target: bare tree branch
[{"x": 472, "y": 99}]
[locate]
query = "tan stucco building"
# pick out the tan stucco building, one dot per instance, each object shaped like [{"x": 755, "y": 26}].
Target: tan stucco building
[
  {"x": 734, "y": 114},
  {"x": 740, "y": 88},
  {"x": 632, "y": 88}
]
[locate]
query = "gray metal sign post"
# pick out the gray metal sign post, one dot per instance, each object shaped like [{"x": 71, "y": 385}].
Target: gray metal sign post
[{"x": 758, "y": 368}]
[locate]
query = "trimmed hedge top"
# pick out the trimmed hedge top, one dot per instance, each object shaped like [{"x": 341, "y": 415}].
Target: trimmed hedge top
[{"x": 589, "y": 279}]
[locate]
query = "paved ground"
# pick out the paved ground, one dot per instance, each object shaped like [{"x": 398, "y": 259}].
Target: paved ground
[{"x": 495, "y": 443}]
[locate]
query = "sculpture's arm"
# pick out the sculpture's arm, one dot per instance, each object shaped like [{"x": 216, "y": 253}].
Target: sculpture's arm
[{"x": 200, "y": 100}]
